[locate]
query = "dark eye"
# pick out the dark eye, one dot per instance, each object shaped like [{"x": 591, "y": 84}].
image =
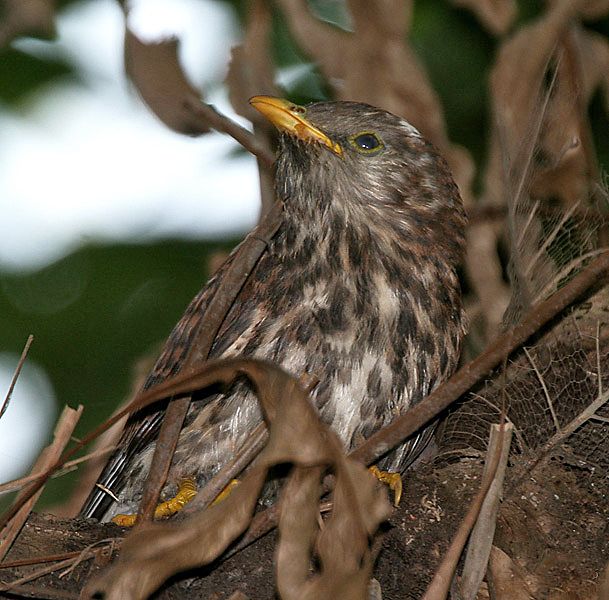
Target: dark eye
[{"x": 367, "y": 142}]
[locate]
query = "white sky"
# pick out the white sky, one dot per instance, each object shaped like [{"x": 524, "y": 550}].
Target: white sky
[
  {"x": 88, "y": 161},
  {"x": 25, "y": 425}
]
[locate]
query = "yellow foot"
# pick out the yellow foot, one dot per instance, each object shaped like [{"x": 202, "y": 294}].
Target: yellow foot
[
  {"x": 186, "y": 492},
  {"x": 225, "y": 493},
  {"x": 393, "y": 480}
]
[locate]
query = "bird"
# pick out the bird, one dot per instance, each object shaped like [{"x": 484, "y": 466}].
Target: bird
[{"x": 358, "y": 289}]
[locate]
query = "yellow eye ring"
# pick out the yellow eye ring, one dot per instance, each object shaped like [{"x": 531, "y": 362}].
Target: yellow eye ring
[{"x": 367, "y": 142}]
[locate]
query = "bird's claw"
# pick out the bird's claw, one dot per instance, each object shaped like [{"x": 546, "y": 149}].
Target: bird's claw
[
  {"x": 186, "y": 492},
  {"x": 393, "y": 480}
]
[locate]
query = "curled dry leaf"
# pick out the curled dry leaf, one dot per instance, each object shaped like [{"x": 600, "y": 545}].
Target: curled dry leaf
[
  {"x": 506, "y": 579},
  {"x": 375, "y": 64},
  {"x": 155, "y": 70},
  {"x": 565, "y": 160},
  {"x": 156, "y": 551}
]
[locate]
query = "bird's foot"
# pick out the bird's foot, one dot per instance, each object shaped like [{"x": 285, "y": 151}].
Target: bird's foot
[
  {"x": 186, "y": 492},
  {"x": 393, "y": 480}
]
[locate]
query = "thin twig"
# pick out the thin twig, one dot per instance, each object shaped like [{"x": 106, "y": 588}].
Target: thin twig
[
  {"x": 252, "y": 447},
  {"x": 5, "y": 586},
  {"x": 544, "y": 387},
  {"x": 37, "y": 560},
  {"x": 529, "y": 220},
  {"x": 16, "y": 374},
  {"x": 88, "y": 552},
  {"x": 223, "y": 124},
  {"x": 17, "y": 484},
  {"x": 558, "y": 438}
]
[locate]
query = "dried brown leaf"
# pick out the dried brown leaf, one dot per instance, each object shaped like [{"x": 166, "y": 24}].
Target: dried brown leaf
[
  {"x": 158, "y": 76},
  {"x": 156, "y": 551},
  {"x": 496, "y": 15},
  {"x": 155, "y": 70},
  {"x": 506, "y": 580},
  {"x": 565, "y": 159}
]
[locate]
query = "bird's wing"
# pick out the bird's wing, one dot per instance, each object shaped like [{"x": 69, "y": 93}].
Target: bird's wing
[{"x": 143, "y": 426}]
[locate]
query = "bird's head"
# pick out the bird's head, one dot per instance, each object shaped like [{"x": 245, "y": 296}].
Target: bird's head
[{"x": 363, "y": 162}]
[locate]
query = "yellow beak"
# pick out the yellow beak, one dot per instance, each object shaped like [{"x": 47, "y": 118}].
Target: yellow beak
[{"x": 289, "y": 117}]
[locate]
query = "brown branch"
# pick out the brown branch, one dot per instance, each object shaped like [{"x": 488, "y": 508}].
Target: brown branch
[
  {"x": 16, "y": 374},
  {"x": 223, "y": 124}
]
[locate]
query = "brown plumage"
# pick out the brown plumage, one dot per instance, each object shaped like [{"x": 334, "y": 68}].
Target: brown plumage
[{"x": 358, "y": 288}]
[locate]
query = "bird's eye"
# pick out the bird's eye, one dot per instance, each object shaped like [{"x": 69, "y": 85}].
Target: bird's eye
[{"x": 367, "y": 143}]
